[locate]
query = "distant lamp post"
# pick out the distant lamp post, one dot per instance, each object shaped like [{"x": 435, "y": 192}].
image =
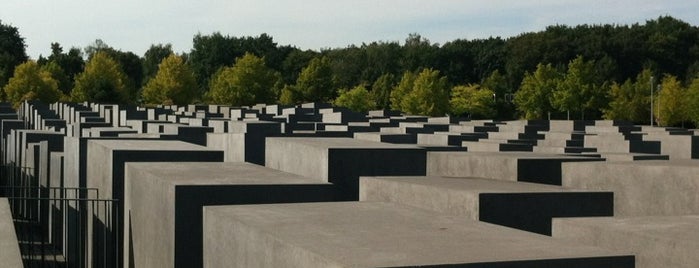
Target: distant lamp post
[
  {"x": 660, "y": 87},
  {"x": 651, "y": 100}
]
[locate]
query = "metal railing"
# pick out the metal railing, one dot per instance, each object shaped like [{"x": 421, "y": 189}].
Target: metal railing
[{"x": 61, "y": 226}]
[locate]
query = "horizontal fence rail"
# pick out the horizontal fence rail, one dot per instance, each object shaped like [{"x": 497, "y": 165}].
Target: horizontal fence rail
[{"x": 60, "y": 226}]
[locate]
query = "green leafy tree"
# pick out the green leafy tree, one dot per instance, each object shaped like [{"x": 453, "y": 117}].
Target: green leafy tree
[
  {"x": 631, "y": 100},
  {"x": 692, "y": 101},
  {"x": 575, "y": 92},
  {"x": 173, "y": 84},
  {"x": 64, "y": 82},
  {"x": 152, "y": 59},
  {"x": 381, "y": 90},
  {"x": 357, "y": 99},
  {"x": 129, "y": 63},
  {"x": 671, "y": 102},
  {"x": 102, "y": 81},
  {"x": 289, "y": 95},
  {"x": 426, "y": 93},
  {"x": 503, "y": 94},
  {"x": 12, "y": 51},
  {"x": 30, "y": 82},
  {"x": 533, "y": 99},
  {"x": 248, "y": 82},
  {"x": 401, "y": 91},
  {"x": 474, "y": 100},
  {"x": 316, "y": 82},
  {"x": 431, "y": 93},
  {"x": 70, "y": 64}
]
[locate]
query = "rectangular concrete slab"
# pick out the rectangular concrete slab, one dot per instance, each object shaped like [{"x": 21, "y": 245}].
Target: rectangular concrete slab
[
  {"x": 173, "y": 194},
  {"x": 342, "y": 160},
  {"x": 10, "y": 256},
  {"x": 656, "y": 241},
  {"x": 520, "y": 205},
  {"x": 511, "y": 166},
  {"x": 375, "y": 234},
  {"x": 641, "y": 188},
  {"x": 106, "y": 161}
]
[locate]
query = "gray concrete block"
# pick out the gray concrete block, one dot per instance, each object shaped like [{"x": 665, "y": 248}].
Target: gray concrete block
[
  {"x": 641, "y": 188},
  {"x": 511, "y": 166},
  {"x": 173, "y": 194},
  {"x": 106, "y": 161},
  {"x": 245, "y": 142},
  {"x": 525, "y": 206},
  {"x": 342, "y": 160},
  {"x": 655, "y": 241},
  {"x": 374, "y": 234},
  {"x": 10, "y": 256}
]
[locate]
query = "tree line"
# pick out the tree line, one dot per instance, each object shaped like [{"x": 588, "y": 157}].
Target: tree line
[{"x": 580, "y": 72}]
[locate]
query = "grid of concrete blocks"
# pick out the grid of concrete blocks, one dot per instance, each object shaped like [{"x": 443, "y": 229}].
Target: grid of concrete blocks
[{"x": 319, "y": 186}]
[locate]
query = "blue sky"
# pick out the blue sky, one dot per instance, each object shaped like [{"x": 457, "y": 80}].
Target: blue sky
[{"x": 132, "y": 25}]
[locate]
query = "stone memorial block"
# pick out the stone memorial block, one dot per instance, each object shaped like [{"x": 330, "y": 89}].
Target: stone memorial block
[
  {"x": 524, "y": 206},
  {"x": 342, "y": 160},
  {"x": 375, "y": 234},
  {"x": 655, "y": 241},
  {"x": 173, "y": 195},
  {"x": 512, "y": 166}
]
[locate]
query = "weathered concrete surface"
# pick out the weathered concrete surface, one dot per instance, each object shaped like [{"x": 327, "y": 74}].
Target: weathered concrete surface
[
  {"x": 374, "y": 234},
  {"x": 106, "y": 162},
  {"x": 9, "y": 248},
  {"x": 342, "y": 160},
  {"x": 641, "y": 188},
  {"x": 511, "y": 166},
  {"x": 166, "y": 227},
  {"x": 655, "y": 241},
  {"x": 520, "y": 205}
]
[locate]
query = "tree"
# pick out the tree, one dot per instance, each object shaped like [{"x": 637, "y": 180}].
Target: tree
[
  {"x": 30, "y": 82},
  {"x": 294, "y": 63},
  {"x": 426, "y": 93},
  {"x": 381, "y": 90},
  {"x": 692, "y": 102},
  {"x": 631, "y": 100},
  {"x": 357, "y": 99},
  {"x": 173, "y": 84},
  {"x": 418, "y": 52},
  {"x": 316, "y": 81},
  {"x": 431, "y": 93},
  {"x": 57, "y": 73},
  {"x": 503, "y": 94},
  {"x": 102, "y": 81},
  {"x": 152, "y": 59},
  {"x": 534, "y": 96},
  {"x": 671, "y": 103},
  {"x": 70, "y": 64},
  {"x": 289, "y": 95},
  {"x": 472, "y": 99},
  {"x": 401, "y": 91},
  {"x": 576, "y": 91},
  {"x": 248, "y": 82},
  {"x": 129, "y": 63},
  {"x": 12, "y": 51}
]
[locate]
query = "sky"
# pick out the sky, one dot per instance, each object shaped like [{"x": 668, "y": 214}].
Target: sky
[{"x": 134, "y": 25}]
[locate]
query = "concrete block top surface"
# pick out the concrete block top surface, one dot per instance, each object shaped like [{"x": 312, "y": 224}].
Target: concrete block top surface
[
  {"x": 208, "y": 173},
  {"x": 344, "y": 143},
  {"x": 517, "y": 155},
  {"x": 680, "y": 229},
  {"x": 476, "y": 185},
  {"x": 376, "y": 234},
  {"x": 149, "y": 145},
  {"x": 674, "y": 163}
]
